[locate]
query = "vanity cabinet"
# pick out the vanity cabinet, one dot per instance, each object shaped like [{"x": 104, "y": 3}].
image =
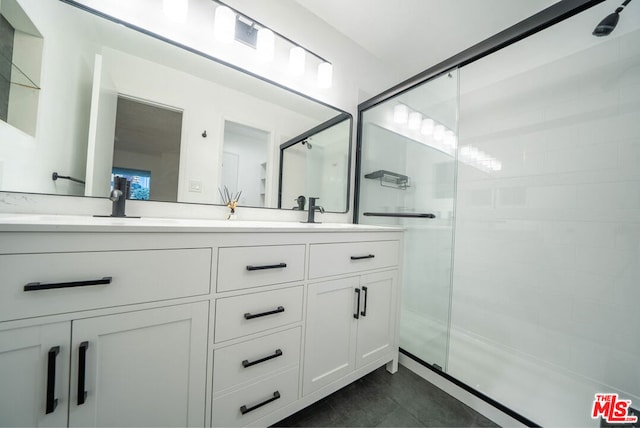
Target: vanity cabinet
[
  {"x": 143, "y": 368},
  {"x": 34, "y": 368},
  {"x": 348, "y": 319},
  {"x": 229, "y": 326}
]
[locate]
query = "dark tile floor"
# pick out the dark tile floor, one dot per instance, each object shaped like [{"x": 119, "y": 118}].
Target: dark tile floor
[{"x": 381, "y": 399}]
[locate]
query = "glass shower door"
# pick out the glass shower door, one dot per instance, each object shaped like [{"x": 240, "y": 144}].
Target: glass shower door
[{"x": 407, "y": 178}]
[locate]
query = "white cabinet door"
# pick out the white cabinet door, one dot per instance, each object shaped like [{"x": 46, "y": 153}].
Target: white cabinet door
[
  {"x": 34, "y": 376},
  {"x": 376, "y": 324},
  {"x": 331, "y": 332},
  {"x": 145, "y": 368}
]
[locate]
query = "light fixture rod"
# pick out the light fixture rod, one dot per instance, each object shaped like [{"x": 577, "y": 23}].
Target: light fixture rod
[{"x": 274, "y": 32}]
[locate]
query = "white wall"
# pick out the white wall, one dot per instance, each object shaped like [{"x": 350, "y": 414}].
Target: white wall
[
  {"x": 547, "y": 253},
  {"x": 60, "y": 141}
]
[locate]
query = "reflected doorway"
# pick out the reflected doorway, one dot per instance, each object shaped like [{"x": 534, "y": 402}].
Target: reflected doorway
[
  {"x": 244, "y": 164},
  {"x": 147, "y": 148}
]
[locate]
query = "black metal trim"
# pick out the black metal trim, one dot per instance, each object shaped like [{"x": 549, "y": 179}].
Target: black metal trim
[
  {"x": 368, "y": 256},
  {"x": 82, "y": 372},
  {"x": 555, "y": 13},
  {"x": 244, "y": 409},
  {"x": 364, "y": 310},
  {"x": 278, "y": 266},
  {"x": 546, "y": 18},
  {"x": 403, "y": 215},
  {"x": 325, "y": 125},
  {"x": 504, "y": 409},
  {"x": 37, "y": 286},
  {"x": 357, "y": 314},
  {"x": 249, "y": 316},
  {"x": 276, "y": 354},
  {"x": 51, "y": 401}
]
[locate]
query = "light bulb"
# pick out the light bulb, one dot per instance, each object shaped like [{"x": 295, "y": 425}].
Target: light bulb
[
  {"x": 400, "y": 114},
  {"x": 427, "y": 126},
  {"x": 224, "y": 25},
  {"x": 325, "y": 75},
  {"x": 415, "y": 120},
  {"x": 449, "y": 138},
  {"x": 438, "y": 132},
  {"x": 176, "y": 10},
  {"x": 296, "y": 61},
  {"x": 265, "y": 45}
]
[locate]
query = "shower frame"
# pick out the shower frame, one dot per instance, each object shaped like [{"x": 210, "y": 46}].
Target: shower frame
[{"x": 540, "y": 21}]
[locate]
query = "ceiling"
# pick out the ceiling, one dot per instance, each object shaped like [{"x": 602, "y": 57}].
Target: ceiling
[{"x": 412, "y": 35}]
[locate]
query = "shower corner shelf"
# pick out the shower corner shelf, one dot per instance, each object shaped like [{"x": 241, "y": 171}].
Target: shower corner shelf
[{"x": 389, "y": 179}]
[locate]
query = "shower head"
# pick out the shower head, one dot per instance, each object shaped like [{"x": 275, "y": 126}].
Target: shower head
[
  {"x": 307, "y": 143},
  {"x": 608, "y": 24}
]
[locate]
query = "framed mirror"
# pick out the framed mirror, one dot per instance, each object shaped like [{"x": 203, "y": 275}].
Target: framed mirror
[
  {"x": 101, "y": 79},
  {"x": 316, "y": 163}
]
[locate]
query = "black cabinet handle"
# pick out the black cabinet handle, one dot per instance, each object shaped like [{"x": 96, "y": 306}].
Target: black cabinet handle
[
  {"x": 368, "y": 256},
  {"x": 263, "y": 267},
  {"x": 249, "y": 316},
  {"x": 357, "y": 314},
  {"x": 364, "y": 311},
  {"x": 51, "y": 401},
  {"x": 276, "y": 354},
  {"x": 244, "y": 409},
  {"x": 35, "y": 286},
  {"x": 82, "y": 371}
]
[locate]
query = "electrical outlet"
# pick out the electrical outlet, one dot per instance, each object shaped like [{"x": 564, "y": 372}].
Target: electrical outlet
[{"x": 195, "y": 186}]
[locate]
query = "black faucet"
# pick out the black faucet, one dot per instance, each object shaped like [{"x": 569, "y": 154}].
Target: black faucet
[
  {"x": 312, "y": 210},
  {"x": 119, "y": 195},
  {"x": 301, "y": 201}
]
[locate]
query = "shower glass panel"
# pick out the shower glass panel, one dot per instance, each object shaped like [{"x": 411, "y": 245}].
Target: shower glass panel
[
  {"x": 547, "y": 262},
  {"x": 407, "y": 167}
]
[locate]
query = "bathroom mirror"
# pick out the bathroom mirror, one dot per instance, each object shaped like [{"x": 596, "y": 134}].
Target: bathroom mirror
[{"x": 91, "y": 63}]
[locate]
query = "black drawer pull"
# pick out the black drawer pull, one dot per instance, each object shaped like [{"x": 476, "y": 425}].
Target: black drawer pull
[
  {"x": 244, "y": 409},
  {"x": 35, "y": 286},
  {"x": 82, "y": 371},
  {"x": 276, "y": 354},
  {"x": 249, "y": 316},
  {"x": 368, "y": 256},
  {"x": 364, "y": 311},
  {"x": 357, "y": 314},
  {"x": 263, "y": 267},
  {"x": 51, "y": 401}
]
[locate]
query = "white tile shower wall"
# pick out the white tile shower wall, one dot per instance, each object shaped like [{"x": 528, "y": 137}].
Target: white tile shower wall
[{"x": 547, "y": 250}]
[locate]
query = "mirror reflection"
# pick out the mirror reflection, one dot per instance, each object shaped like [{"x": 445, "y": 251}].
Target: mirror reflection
[
  {"x": 116, "y": 101},
  {"x": 316, "y": 164}
]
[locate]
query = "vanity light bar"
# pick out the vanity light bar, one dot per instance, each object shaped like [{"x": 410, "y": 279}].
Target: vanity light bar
[{"x": 224, "y": 29}]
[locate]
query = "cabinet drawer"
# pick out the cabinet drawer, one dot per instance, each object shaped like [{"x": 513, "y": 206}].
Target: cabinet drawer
[
  {"x": 255, "y": 359},
  {"x": 241, "y": 315},
  {"x": 66, "y": 282},
  {"x": 348, "y": 257},
  {"x": 249, "y": 404},
  {"x": 246, "y": 267}
]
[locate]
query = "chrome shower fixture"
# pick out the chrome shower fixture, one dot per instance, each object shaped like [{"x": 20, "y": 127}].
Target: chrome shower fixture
[
  {"x": 608, "y": 24},
  {"x": 307, "y": 143}
]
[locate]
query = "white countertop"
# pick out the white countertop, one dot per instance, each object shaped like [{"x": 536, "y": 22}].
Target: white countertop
[{"x": 78, "y": 223}]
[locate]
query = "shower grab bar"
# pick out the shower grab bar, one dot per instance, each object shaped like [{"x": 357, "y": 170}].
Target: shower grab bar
[{"x": 404, "y": 215}]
